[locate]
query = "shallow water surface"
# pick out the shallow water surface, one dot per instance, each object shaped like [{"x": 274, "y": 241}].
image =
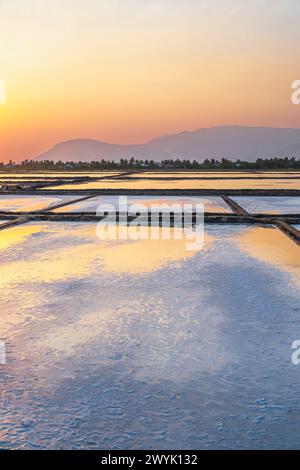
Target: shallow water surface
[
  {"x": 215, "y": 174},
  {"x": 269, "y": 204},
  {"x": 142, "y": 344},
  {"x": 210, "y": 204},
  {"x": 186, "y": 184},
  {"x": 23, "y": 203}
]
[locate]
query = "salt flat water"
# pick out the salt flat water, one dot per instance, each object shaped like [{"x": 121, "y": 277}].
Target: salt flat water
[
  {"x": 210, "y": 204},
  {"x": 142, "y": 344},
  {"x": 55, "y": 174},
  {"x": 269, "y": 204},
  {"x": 189, "y": 183},
  {"x": 146, "y": 174},
  {"x": 23, "y": 203},
  {"x": 210, "y": 174}
]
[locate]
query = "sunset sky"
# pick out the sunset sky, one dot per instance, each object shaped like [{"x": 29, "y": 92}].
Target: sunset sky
[{"x": 126, "y": 71}]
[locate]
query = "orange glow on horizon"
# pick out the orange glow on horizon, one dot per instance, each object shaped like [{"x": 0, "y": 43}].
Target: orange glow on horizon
[{"x": 127, "y": 79}]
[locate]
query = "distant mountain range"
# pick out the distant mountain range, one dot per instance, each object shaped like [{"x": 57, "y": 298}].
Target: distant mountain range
[{"x": 233, "y": 142}]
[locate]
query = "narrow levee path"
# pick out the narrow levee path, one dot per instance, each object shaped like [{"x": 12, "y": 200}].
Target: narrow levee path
[
  {"x": 277, "y": 221},
  {"x": 13, "y": 222},
  {"x": 23, "y": 219},
  {"x": 66, "y": 203},
  {"x": 239, "y": 215},
  {"x": 236, "y": 208},
  {"x": 288, "y": 230}
]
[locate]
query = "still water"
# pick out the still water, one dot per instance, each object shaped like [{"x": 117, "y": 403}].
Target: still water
[{"x": 142, "y": 344}]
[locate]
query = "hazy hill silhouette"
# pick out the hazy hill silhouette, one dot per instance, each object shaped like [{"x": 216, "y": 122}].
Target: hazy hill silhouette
[{"x": 233, "y": 142}]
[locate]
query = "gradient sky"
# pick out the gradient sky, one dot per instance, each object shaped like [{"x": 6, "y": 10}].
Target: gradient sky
[{"x": 126, "y": 71}]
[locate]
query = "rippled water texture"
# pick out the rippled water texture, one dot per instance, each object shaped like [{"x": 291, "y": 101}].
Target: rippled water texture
[{"x": 142, "y": 344}]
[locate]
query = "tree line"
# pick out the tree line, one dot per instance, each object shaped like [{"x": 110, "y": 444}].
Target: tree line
[{"x": 135, "y": 164}]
